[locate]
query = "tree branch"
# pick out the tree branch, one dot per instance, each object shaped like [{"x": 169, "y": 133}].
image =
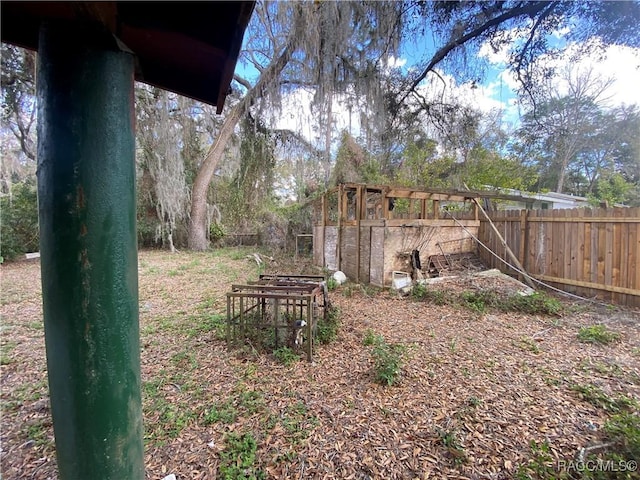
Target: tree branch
[
  {"x": 530, "y": 9},
  {"x": 245, "y": 83}
]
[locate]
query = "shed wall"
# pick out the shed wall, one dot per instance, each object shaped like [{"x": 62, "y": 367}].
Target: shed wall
[{"x": 428, "y": 240}]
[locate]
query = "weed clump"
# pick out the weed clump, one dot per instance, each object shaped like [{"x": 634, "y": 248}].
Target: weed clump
[
  {"x": 286, "y": 356},
  {"x": 479, "y": 301},
  {"x": 598, "y": 398},
  {"x": 597, "y": 334},
  {"x": 623, "y": 430},
  {"x": 327, "y": 329},
  {"x": 388, "y": 359},
  {"x": 237, "y": 460}
]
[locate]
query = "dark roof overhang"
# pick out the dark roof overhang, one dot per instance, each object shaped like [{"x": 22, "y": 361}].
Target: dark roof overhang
[{"x": 190, "y": 48}]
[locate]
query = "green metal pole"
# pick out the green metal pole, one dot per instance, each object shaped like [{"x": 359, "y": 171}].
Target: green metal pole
[{"x": 87, "y": 208}]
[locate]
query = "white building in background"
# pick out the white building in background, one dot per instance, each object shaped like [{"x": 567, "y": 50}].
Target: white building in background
[{"x": 545, "y": 201}]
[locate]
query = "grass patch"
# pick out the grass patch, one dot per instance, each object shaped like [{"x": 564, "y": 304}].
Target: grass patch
[
  {"x": 436, "y": 296},
  {"x": 32, "y": 392},
  {"x": 185, "y": 360},
  {"x": 598, "y": 398},
  {"x": 206, "y": 323},
  {"x": 597, "y": 334},
  {"x": 286, "y": 356},
  {"x": 6, "y": 349},
  {"x": 224, "y": 412},
  {"x": 540, "y": 465},
  {"x": 327, "y": 328},
  {"x": 170, "y": 418},
  {"x": 538, "y": 303},
  {"x": 298, "y": 422},
  {"x": 480, "y": 301},
  {"x": 529, "y": 345},
  {"x": 39, "y": 431},
  {"x": 227, "y": 411},
  {"x": 238, "y": 459}
]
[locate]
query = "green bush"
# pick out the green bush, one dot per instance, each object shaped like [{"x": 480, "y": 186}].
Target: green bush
[{"x": 19, "y": 223}]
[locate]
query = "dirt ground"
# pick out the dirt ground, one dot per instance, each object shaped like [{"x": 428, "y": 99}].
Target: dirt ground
[{"x": 483, "y": 395}]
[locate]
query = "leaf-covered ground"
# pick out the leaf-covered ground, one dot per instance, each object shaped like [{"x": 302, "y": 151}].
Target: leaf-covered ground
[{"x": 482, "y": 394}]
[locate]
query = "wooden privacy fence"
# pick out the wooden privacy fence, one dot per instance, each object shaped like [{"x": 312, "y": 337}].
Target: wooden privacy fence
[{"x": 589, "y": 252}]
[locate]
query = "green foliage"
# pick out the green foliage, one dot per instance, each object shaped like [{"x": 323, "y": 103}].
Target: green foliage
[
  {"x": 40, "y": 431},
  {"x": 422, "y": 292},
  {"x": 451, "y": 441},
  {"x": 540, "y": 466},
  {"x": 599, "y": 334},
  {"x": 388, "y": 359},
  {"x": 598, "y": 398},
  {"x": 298, "y": 422},
  {"x": 216, "y": 232},
  {"x": 419, "y": 291},
  {"x": 243, "y": 402},
  {"x": 624, "y": 430},
  {"x": 224, "y": 412},
  {"x": 19, "y": 223},
  {"x": 332, "y": 283},
  {"x": 538, "y": 303},
  {"x": 612, "y": 189},
  {"x": 286, "y": 356},
  {"x": 622, "y": 449},
  {"x": 529, "y": 344},
  {"x": 238, "y": 459},
  {"x": 372, "y": 173},
  {"x": 420, "y": 166},
  {"x": 328, "y": 328},
  {"x": 371, "y": 338},
  {"x": 488, "y": 168},
  {"x": 479, "y": 301}
]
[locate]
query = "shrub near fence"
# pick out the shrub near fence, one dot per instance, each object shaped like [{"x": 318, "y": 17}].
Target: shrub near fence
[{"x": 589, "y": 252}]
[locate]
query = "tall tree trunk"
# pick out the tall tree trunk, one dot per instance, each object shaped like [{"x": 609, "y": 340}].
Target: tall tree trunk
[
  {"x": 197, "y": 238},
  {"x": 562, "y": 174}
]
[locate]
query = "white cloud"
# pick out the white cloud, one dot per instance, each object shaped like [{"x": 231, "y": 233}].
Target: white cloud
[
  {"x": 394, "y": 62},
  {"x": 620, "y": 63},
  {"x": 494, "y": 57},
  {"x": 445, "y": 89}
]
